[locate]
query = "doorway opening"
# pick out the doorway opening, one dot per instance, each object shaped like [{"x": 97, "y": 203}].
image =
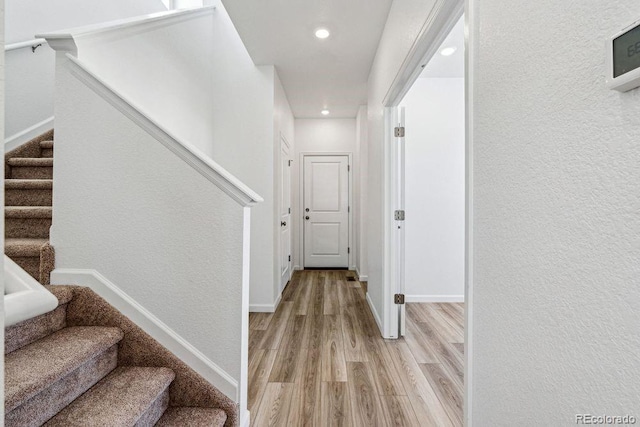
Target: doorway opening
[{"x": 427, "y": 208}]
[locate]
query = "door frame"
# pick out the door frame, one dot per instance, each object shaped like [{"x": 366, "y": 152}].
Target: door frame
[
  {"x": 444, "y": 16},
  {"x": 277, "y": 209},
  {"x": 351, "y": 233}
]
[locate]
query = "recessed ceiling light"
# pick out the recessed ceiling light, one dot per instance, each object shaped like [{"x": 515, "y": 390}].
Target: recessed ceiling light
[
  {"x": 324, "y": 112},
  {"x": 322, "y": 33},
  {"x": 448, "y": 51}
]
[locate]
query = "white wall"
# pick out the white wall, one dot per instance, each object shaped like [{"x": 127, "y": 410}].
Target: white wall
[
  {"x": 318, "y": 136},
  {"x": 128, "y": 207},
  {"x": 29, "y": 75},
  {"x": 434, "y": 190},
  {"x": 403, "y": 25},
  {"x": 360, "y": 176},
  {"x": 556, "y": 216}
]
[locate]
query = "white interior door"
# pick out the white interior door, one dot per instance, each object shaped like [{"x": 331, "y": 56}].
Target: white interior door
[
  {"x": 326, "y": 211},
  {"x": 285, "y": 214}
]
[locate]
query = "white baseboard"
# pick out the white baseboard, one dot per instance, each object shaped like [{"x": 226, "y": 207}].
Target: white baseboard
[
  {"x": 245, "y": 418},
  {"x": 17, "y": 139},
  {"x": 375, "y": 314},
  {"x": 434, "y": 298},
  {"x": 297, "y": 267},
  {"x": 265, "y": 308},
  {"x": 151, "y": 325},
  {"x": 362, "y": 277}
]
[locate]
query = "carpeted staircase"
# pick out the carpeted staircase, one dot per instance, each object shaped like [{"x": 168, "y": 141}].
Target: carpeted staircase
[
  {"x": 28, "y": 193},
  {"x": 84, "y": 363}
]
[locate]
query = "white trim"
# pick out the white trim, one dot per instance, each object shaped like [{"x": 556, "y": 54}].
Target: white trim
[
  {"x": 443, "y": 17},
  {"x": 24, "y": 297},
  {"x": 245, "y": 419},
  {"x": 17, "y": 139},
  {"x": 361, "y": 277},
  {"x": 195, "y": 158},
  {"x": 23, "y": 44},
  {"x": 266, "y": 308},
  {"x": 67, "y": 37},
  {"x": 372, "y": 307},
  {"x": 151, "y": 325},
  {"x": 243, "y": 400},
  {"x": 434, "y": 298},
  {"x": 351, "y": 255},
  {"x": 470, "y": 66},
  {"x": 297, "y": 267}
]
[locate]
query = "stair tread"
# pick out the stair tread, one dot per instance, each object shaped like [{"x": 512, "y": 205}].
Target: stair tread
[
  {"x": 33, "y": 368},
  {"x": 31, "y": 161},
  {"x": 23, "y": 246},
  {"x": 28, "y": 211},
  {"x": 46, "y": 144},
  {"x": 195, "y": 417},
  {"x": 119, "y": 399},
  {"x": 28, "y": 184}
]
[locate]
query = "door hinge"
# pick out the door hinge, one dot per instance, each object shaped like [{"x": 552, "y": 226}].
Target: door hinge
[
  {"x": 348, "y": 250},
  {"x": 289, "y": 162},
  {"x": 399, "y": 215},
  {"x": 348, "y": 168},
  {"x": 398, "y": 299},
  {"x": 348, "y": 208},
  {"x": 289, "y": 258},
  {"x": 398, "y": 132},
  {"x": 289, "y": 210}
]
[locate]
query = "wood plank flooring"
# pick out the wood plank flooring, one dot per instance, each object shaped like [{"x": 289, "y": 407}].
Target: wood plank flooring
[{"x": 319, "y": 360}]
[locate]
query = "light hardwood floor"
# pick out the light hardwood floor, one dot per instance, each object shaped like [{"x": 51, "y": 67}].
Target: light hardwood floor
[{"x": 319, "y": 360}]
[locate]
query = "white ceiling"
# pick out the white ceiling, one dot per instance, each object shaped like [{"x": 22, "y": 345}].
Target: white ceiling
[
  {"x": 316, "y": 74},
  {"x": 448, "y": 66}
]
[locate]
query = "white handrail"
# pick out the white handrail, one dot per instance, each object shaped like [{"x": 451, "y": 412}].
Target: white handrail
[
  {"x": 91, "y": 30},
  {"x": 27, "y": 43},
  {"x": 195, "y": 158},
  {"x": 24, "y": 297}
]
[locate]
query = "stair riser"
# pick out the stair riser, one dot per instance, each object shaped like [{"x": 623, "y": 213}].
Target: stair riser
[
  {"x": 47, "y": 152},
  {"x": 24, "y": 333},
  {"x": 50, "y": 401},
  {"x": 28, "y": 197},
  {"x": 30, "y": 264},
  {"x": 31, "y": 172},
  {"x": 27, "y": 227},
  {"x": 155, "y": 411}
]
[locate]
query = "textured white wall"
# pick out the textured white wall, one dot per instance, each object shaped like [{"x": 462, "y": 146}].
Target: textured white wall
[
  {"x": 318, "y": 135},
  {"x": 434, "y": 189},
  {"x": 127, "y": 207},
  {"x": 2, "y": 92},
  {"x": 360, "y": 176},
  {"x": 168, "y": 73},
  {"x": 403, "y": 25},
  {"x": 30, "y": 75},
  {"x": 557, "y": 216}
]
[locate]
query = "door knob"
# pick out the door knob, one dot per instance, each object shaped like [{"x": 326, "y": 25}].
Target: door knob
[
  {"x": 283, "y": 224},
  {"x": 307, "y": 218}
]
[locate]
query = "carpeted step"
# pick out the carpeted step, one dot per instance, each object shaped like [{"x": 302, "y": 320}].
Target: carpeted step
[
  {"x": 46, "y": 148},
  {"x": 27, "y": 221},
  {"x": 26, "y": 332},
  {"x": 193, "y": 417},
  {"x": 45, "y": 376},
  {"x": 28, "y": 192},
  {"x": 26, "y": 253},
  {"x": 30, "y": 168},
  {"x": 129, "y": 396}
]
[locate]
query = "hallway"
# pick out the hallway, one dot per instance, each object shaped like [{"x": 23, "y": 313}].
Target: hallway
[{"x": 319, "y": 360}]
